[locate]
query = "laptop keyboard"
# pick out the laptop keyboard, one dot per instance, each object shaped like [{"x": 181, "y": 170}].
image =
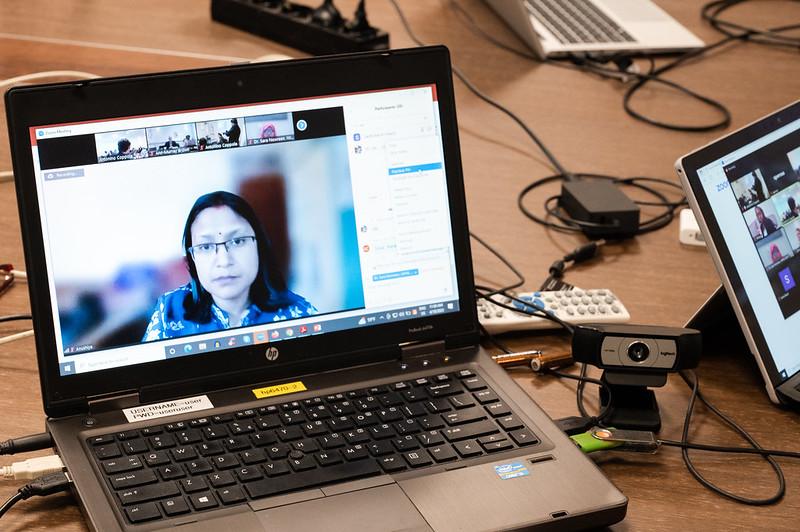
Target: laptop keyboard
[
  {"x": 216, "y": 461},
  {"x": 577, "y": 22}
]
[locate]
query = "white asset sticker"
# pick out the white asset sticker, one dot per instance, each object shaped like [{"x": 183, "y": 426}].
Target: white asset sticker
[{"x": 168, "y": 408}]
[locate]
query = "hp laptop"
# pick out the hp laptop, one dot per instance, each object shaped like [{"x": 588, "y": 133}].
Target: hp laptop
[
  {"x": 253, "y": 302},
  {"x": 745, "y": 191},
  {"x": 555, "y": 28}
]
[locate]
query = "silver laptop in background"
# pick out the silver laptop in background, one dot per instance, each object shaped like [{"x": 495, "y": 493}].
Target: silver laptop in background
[{"x": 553, "y": 28}]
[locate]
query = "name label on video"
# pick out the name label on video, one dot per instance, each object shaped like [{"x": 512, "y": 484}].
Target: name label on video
[
  {"x": 168, "y": 408},
  {"x": 280, "y": 389}
]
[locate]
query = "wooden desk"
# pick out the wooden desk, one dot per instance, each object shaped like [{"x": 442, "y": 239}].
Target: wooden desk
[{"x": 581, "y": 120}]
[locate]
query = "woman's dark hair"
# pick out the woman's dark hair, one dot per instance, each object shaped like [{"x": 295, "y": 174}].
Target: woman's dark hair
[
  {"x": 268, "y": 290},
  {"x": 792, "y": 204}
]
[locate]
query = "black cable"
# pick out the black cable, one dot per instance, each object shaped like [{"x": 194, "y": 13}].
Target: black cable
[
  {"x": 563, "y": 174},
  {"x": 695, "y": 386},
  {"x": 15, "y": 317},
  {"x": 558, "y": 166},
  {"x": 520, "y": 278},
  {"x": 10, "y": 502},
  {"x": 595, "y": 64},
  {"x": 41, "y": 486},
  {"x": 570, "y": 225},
  {"x": 723, "y": 449},
  {"x": 582, "y": 380},
  {"x": 32, "y": 442}
]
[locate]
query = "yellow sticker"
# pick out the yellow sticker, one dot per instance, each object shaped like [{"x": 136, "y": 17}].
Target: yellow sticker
[{"x": 280, "y": 389}]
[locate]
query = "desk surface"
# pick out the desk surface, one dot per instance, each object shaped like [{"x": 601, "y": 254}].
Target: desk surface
[{"x": 579, "y": 116}]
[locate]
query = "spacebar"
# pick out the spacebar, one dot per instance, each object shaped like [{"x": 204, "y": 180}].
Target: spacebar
[{"x": 315, "y": 477}]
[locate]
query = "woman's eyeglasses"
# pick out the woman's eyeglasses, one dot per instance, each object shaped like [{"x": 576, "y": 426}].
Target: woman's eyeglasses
[{"x": 208, "y": 250}]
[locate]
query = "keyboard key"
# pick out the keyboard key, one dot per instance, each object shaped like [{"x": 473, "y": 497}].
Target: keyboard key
[
  {"x": 468, "y": 448},
  {"x": 253, "y": 456},
  {"x": 245, "y": 414},
  {"x": 498, "y": 409},
  {"x": 431, "y": 422},
  {"x": 432, "y": 437},
  {"x": 100, "y": 440},
  {"x": 274, "y": 469},
  {"x": 260, "y": 439},
  {"x": 523, "y": 437},
  {"x": 444, "y": 389},
  {"x": 151, "y": 431},
  {"x": 380, "y": 448},
  {"x": 148, "y": 493},
  {"x": 356, "y": 436},
  {"x": 365, "y": 419},
  {"x": 203, "y": 501},
  {"x": 231, "y": 495},
  {"x": 225, "y": 461},
  {"x": 474, "y": 384},
  {"x": 127, "y": 435},
  {"x": 268, "y": 422},
  {"x": 190, "y": 485},
  {"x": 326, "y": 458},
  {"x": 460, "y": 417},
  {"x": 500, "y": 445},
  {"x": 236, "y": 443},
  {"x": 472, "y": 430},
  {"x": 315, "y": 477},
  {"x": 379, "y": 432},
  {"x": 185, "y": 437},
  {"x": 278, "y": 451},
  {"x": 122, "y": 464},
  {"x": 223, "y": 478},
  {"x": 134, "y": 478},
  {"x": 408, "y": 426},
  {"x": 406, "y": 443},
  {"x": 142, "y": 512},
  {"x": 171, "y": 472},
  {"x": 393, "y": 463},
  {"x": 198, "y": 467},
  {"x": 510, "y": 422},
  {"x": 111, "y": 450},
  {"x": 418, "y": 458},
  {"x": 464, "y": 373},
  {"x": 164, "y": 441},
  {"x": 442, "y": 453},
  {"x": 248, "y": 474},
  {"x": 179, "y": 454},
  {"x": 210, "y": 448},
  {"x": 175, "y": 506},
  {"x": 485, "y": 397},
  {"x": 356, "y": 452},
  {"x": 157, "y": 458},
  {"x": 307, "y": 446},
  {"x": 332, "y": 441},
  {"x": 314, "y": 428},
  {"x": 302, "y": 464},
  {"x": 463, "y": 400},
  {"x": 289, "y": 433}
]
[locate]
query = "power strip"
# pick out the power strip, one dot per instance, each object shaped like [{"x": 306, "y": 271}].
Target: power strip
[{"x": 293, "y": 25}]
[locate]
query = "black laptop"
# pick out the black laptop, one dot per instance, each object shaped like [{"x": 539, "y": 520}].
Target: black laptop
[{"x": 253, "y": 301}]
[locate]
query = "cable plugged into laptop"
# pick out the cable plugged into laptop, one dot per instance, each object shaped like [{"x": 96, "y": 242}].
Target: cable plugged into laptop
[
  {"x": 33, "y": 442},
  {"x": 32, "y": 468},
  {"x": 41, "y": 486}
]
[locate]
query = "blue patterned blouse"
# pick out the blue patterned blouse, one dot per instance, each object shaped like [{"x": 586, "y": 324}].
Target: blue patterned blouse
[{"x": 169, "y": 320}]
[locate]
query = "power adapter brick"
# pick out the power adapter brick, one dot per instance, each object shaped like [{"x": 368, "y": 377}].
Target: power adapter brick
[{"x": 600, "y": 202}]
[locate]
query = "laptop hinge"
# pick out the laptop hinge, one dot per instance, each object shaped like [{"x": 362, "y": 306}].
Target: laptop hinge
[
  {"x": 414, "y": 349},
  {"x": 107, "y": 403}
]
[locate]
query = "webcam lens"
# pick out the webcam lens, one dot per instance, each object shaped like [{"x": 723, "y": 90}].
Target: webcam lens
[{"x": 638, "y": 351}]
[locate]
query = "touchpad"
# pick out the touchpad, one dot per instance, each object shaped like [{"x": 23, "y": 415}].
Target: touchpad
[{"x": 382, "y": 508}]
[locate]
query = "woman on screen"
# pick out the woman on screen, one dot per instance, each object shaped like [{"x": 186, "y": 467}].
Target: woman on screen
[{"x": 234, "y": 278}]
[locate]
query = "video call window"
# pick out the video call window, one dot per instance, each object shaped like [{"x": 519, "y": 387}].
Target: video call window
[
  {"x": 762, "y": 220},
  {"x": 216, "y": 134},
  {"x": 269, "y": 128},
  {"x": 121, "y": 145},
  {"x": 774, "y": 249},
  {"x": 750, "y": 190},
  {"x": 170, "y": 140},
  {"x": 270, "y": 228}
]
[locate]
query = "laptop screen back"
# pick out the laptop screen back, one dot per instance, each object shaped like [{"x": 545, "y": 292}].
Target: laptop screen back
[{"x": 188, "y": 233}]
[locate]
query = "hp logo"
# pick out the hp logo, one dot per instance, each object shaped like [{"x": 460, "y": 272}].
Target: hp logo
[{"x": 272, "y": 354}]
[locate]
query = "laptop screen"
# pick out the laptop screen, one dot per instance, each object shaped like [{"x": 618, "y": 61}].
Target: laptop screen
[
  {"x": 754, "y": 192},
  {"x": 182, "y": 234}
]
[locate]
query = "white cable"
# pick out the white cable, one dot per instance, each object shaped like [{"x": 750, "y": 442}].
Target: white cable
[
  {"x": 14, "y": 337},
  {"x": 19, "y": 274},
  {"x": 32, "y": 468},
  {"x": 48, "y": 74},
  {"x": 6, "y": 175}
]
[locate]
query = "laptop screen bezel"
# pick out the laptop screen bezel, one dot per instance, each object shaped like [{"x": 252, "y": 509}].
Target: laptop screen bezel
[
  {"x": 228, "y": 86},
  {"x": 690, "y": 165}
]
